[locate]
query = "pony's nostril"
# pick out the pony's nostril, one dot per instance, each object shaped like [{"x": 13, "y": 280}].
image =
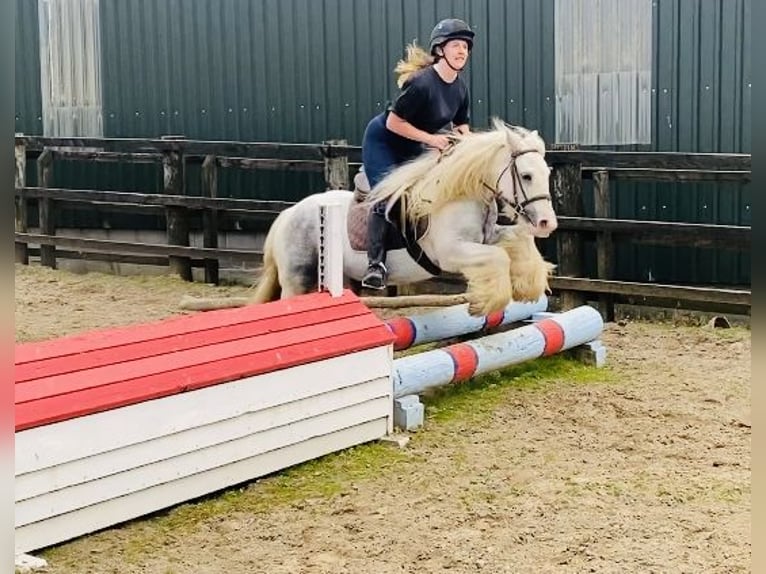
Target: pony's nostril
[{"x": 543, "y": 223}]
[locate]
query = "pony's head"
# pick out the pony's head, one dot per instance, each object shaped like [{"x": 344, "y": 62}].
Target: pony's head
[
  {"x": 504, "y": 164},
  {"x": 523, "y": 181}
]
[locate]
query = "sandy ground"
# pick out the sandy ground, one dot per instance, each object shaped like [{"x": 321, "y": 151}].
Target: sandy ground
[{"x": 644, "y": 467}]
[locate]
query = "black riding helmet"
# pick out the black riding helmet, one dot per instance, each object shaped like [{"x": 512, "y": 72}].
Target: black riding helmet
[{"x": 450, "y": 29}]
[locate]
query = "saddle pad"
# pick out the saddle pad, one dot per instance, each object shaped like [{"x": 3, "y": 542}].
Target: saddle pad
[
  {"x": 356, "y": 226},
  {"x": 356, "y": 223}
]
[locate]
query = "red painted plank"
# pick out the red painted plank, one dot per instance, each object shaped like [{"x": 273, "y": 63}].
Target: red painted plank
[
  {"x": 102, "y": 398},
  {"x": 118, "y": 336},
  {"x": 88, "y": 359},
  {"x": 211, "y": 354}
]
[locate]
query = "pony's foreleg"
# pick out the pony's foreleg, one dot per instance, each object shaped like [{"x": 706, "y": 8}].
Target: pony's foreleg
[
  {"x": 486, "y": 269},
  {"x": 529, "y": 272}
]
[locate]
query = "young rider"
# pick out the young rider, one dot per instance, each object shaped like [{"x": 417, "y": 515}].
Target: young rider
[{"x": 433, "y": 98}]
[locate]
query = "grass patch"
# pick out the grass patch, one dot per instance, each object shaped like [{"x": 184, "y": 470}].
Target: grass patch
[
  {"x": 324, "y": 477},
  {"x": 476, "y": 399}
]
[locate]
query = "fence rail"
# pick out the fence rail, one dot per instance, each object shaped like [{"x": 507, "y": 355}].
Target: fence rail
[{"x": 334, "y": 159}]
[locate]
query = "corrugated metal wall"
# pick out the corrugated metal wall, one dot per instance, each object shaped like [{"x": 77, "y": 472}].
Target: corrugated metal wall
[
  {"x": 29, "y": 115},
  {"x": 701, "y": 103},
  {"x": 306, "y": 71},
  {"x": 302, "y": 70}
]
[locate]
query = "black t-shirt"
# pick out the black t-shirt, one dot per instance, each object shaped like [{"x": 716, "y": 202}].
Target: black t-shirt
[{"x": 431, "y": 104}]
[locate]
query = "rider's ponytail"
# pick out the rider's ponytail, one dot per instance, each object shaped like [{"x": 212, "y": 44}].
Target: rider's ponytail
[{"x": 417, "y": 59}]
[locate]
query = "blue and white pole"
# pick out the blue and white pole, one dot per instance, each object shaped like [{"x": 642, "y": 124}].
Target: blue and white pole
[
  {"x": 455, "y": 321},
  {"x": 416, "y": 373}
]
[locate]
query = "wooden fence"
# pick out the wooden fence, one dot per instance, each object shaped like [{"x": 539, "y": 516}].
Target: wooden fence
[{"x": 336, "y": 160}]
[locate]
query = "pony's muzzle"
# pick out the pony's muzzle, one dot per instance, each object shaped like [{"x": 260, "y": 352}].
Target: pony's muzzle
[
  {"x": 548, "y": 225},
  {"x": 544, "y": 226}
]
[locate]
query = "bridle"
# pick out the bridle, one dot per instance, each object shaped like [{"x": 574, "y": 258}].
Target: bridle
[{"x": 519, "y": 209}]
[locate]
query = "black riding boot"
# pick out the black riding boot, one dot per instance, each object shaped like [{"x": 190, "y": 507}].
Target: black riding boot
[{"x": 375, "y": 278}]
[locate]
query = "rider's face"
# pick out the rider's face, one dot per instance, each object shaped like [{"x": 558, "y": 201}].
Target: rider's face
[{"x": 456, "y": 52}]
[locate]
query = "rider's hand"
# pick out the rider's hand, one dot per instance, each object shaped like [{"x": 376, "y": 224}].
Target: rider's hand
[{"x": 438, "y": 141}]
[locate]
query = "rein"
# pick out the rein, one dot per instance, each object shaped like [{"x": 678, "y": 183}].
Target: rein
[{"x": 519, "y": 209}]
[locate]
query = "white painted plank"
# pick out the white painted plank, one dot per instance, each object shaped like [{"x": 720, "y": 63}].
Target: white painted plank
[
  {"x": 67, "y": 526},
  {"x": 82, "y": 470},
  {"x": 390, "y": 385},
  {"x": 53, "y": 444},
  {"x": 199, "y": 461}
]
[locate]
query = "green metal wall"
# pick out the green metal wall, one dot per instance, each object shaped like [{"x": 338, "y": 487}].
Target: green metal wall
[
  {"x": 302, "y": 70},
  {"x": 702, "y": 97},
  {"x": 27, "y": 82},
  {"x": 307, "y": 71}
]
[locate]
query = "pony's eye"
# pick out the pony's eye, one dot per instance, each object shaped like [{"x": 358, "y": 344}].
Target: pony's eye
[{"x": 527, "y": 177}]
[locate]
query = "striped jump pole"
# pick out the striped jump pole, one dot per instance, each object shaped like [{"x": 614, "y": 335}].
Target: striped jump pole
[
  {"x": 416, "y": 373},
  {"x": 455, "y": 321}
]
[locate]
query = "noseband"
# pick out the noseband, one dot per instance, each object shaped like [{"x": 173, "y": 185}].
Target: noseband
[{"x": 519, "y": 208}]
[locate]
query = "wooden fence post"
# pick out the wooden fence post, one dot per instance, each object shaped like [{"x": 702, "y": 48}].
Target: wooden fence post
[
  {"x": 336, "y": 166},
  {"x": 177, "y": 217},
  {"x": 210, "y": 216},
  {"x": 20, "y": 203},
  {"x": 604, "y": 241},
  {"x": 47, "y": 208},
  {"x": 568, "y": 200}
]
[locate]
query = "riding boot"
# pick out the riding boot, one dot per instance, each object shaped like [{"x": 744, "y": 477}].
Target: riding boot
[{"x": 375, "y": 278}]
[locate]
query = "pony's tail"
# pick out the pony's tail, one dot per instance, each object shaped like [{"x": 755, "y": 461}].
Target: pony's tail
[
  {"x": 417, "y": 59},
  {"x": 268, "y": 288}
]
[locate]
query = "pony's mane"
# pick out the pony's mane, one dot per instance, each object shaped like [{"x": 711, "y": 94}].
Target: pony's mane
[
  {"x": 433, "y": 179},
  {"x": 417, "y": 59}
]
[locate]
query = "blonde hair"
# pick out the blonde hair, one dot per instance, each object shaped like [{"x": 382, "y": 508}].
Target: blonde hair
[{"x": 417, "y": 59}]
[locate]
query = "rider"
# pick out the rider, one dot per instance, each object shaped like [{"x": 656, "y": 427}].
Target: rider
[{"x": 431, "y": 100}]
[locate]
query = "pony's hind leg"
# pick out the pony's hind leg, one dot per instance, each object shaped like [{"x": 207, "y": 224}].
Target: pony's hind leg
[
  {"x": 297, "y": 259},
  {"x": 299, "y": 279}
]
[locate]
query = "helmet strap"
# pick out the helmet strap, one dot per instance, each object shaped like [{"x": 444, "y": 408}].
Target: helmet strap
[
  {"x": 444, "y": 57},
  {"x": 458, "y": 70}
]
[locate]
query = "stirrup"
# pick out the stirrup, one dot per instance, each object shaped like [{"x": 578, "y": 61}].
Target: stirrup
[{"x": 375, "y": 278}]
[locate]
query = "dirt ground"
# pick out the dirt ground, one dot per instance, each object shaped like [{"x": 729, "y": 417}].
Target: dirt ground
[{"x": 642, "y": 466}]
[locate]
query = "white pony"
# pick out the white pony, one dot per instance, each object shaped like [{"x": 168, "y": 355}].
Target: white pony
[{"x": 453, "y": 199}]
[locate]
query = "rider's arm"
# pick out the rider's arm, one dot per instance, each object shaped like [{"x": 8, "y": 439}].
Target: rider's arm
[
  {"x": 463, "y": 115},
  {"x": 405, "y": 129}
]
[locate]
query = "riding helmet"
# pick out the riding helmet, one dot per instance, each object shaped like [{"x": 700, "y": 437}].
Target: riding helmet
[{"x": 450, "y": 29}]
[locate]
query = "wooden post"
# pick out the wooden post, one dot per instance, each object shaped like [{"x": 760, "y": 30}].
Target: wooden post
[
  {"x": 210, "y": 216},
  {"x": 20, "y": 204},
  {"x": 566, "y": 184},
  {"x": 177, "y": 217},
  {"x": 47, "y": 208},
  {"x": 336, "y": 166},
  {"x": 604, "y": 244}
]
